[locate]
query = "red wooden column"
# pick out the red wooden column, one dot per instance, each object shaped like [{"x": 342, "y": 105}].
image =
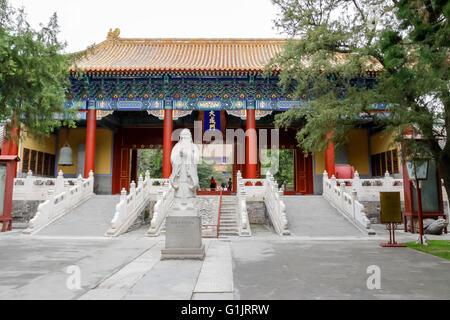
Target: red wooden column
[
  {"x": 329, "y": 158},
  {"x": 10, "y": 163},
  {"x": 251, "y": 152},
  {"x": 134, "y": 164},
  {"x": 167, "y": 143},
  {"x": 89, "y": 163},
  {"x": 10, "y": 147}
]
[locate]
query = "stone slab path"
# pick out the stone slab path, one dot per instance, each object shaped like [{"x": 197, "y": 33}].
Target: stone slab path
[{"x": 147, "y": 278}]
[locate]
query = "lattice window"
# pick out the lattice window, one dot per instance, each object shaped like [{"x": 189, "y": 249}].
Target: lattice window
[
  {"x": 33, "y": 159},
  {"x": 26, "y": 160},
  {"x": 395, "y": 161},
  {"x": 40, "y": 163},
  {"x": 389, "y": 161},
  {"x": 386, "y": 161},
  {"x": 46, "y": 164}
]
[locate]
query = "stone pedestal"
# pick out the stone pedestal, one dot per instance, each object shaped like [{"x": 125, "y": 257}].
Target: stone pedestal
[{"x": 183, "y": 237}]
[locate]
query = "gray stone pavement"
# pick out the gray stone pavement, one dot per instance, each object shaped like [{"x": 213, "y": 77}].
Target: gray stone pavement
[
  {"x": 269, "y": 270},
  {"x": 35, "y": 268},
  {"x": 314, "y": 263}
]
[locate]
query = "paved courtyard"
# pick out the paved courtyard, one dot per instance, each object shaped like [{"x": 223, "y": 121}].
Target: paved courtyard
[{"x": 326, "y": 257}]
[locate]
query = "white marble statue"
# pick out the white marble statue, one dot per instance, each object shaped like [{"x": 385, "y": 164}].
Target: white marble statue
[{"x": 185, "y": 158}]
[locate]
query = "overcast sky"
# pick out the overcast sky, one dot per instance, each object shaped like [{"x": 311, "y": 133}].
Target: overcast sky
[{"x": 85, "y": 22}]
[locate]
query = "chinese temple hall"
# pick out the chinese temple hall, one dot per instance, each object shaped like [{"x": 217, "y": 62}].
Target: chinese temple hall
[{"x": 136, "y": 92}]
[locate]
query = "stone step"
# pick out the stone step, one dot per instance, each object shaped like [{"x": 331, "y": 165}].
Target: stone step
[
  {"x": 227, "y": 217},
  {"x": 229, "y": 232},
  {"x": 225, "y": 234},
  {"x": 230, "y": 218},
  {"x": 228, "y": 223},
  {"x": 228, "y": 228}
]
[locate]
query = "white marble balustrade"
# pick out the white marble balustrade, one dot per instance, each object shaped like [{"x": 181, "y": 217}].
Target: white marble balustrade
[
  {"x": 369, "y": 189},
  {"x": 132, "y": 204},
  {"x": 346, "y": 201},
  {"x": 241, "y": 194},
  {"x": 61, "y": 200},
  {"x": 37, "y": 188},
  {"x": 265, "y": 190}
]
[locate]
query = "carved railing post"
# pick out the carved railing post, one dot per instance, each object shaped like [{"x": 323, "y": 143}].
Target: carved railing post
[
  {"x": 123, "y": 195},
  {"x": 356, "y": 183},
  {"x": 354, "y": 199},
  {"x": 342, "y": 198},
  {"x": 59, "y": 184},
  {"x": 29, "y": 181},
  {"x": 388, "y": 182}
]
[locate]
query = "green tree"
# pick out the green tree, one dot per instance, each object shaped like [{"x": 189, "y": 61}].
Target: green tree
[
  {"x": 151, "y": 160},
  {"x": 205, "y": 172},
  {"x": 285, "y": 161},
  {"x": 34, "y": 73},
  {"x": 405, "y": 43}
]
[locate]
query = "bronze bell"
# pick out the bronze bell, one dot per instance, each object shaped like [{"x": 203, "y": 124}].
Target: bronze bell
[{"x": 65, "y": 156}]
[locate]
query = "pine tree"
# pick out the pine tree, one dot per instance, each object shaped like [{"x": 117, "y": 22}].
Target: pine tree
[{"x": 405, "y": 46}]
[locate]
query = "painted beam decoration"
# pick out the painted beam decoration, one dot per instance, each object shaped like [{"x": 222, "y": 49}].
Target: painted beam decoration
[
  {"x": 154, "y": 92},
  {"x": 177, "y": 114}
]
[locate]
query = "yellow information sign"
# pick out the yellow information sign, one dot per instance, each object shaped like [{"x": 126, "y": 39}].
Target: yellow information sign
[{"x": 390, "y": 207}]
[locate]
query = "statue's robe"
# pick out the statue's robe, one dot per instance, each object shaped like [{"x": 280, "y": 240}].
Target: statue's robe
[{"x": 185, "y": 158}]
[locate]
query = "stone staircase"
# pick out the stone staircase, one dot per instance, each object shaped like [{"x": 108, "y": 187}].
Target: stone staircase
[{"x": 229, "y": 220}]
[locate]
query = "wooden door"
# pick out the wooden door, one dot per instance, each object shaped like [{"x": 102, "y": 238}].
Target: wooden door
[
  {"x": 304, "y": 173},
  {"x": 125, "y": 169}
]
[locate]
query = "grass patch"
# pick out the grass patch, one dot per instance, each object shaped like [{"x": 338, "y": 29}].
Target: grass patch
[{"x": 439, "y": 248}]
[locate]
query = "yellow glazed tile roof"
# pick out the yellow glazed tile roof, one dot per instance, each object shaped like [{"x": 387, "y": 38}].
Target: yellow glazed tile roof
[{"x": 180, "y": 55}]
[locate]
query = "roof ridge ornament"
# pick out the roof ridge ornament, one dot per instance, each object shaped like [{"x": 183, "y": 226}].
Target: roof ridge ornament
[{"x": 113, "y": 35}]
